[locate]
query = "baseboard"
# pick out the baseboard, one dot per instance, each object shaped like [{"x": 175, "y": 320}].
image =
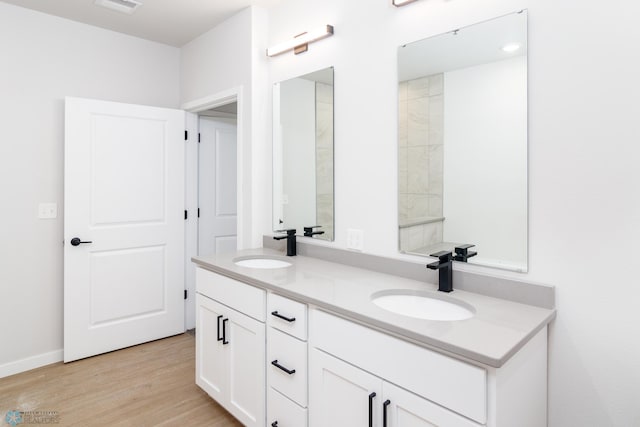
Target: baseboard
[{"x": 29, "y": 363}]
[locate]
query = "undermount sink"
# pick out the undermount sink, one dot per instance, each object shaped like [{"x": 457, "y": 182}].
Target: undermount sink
[
  {"x": 423, "y": 305},
  {"x": 261, "y": 262}
]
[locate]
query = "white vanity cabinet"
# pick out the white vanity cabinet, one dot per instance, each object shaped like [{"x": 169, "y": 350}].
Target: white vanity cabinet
[
  {"x": 360, "y": 376},
  {"x": 230, "y": 345},
  {"x": 273, "y": 361}
]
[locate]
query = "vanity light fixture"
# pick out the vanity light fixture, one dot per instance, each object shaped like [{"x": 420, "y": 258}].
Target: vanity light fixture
[
  {"x": 510, "y": 47},
  {"x": 399, "y": 3},
  {"x": 124, "y": 6},
  {"x": 300, "y": 43}
]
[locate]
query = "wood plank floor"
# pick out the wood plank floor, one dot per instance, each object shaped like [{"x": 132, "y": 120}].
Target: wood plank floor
[{"x": 150, "y": 384}]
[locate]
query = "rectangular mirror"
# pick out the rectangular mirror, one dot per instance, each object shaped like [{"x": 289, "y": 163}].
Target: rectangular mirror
[
  {"x": 462, "y": 142},
  {"x": 303, "y": 154}
]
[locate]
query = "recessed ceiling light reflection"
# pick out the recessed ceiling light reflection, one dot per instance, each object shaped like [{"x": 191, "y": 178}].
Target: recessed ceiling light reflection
[{"x": 511, "y": 47}]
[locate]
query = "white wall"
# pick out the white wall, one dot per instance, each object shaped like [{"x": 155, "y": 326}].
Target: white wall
[
  {"x": 584, "y": 203},
  {"x": 217, "y": 60},
  {"x": 45, "y": 58},
  {"x": 485, "y": 160}
]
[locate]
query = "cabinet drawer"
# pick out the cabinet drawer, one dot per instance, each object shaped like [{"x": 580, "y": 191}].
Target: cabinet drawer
[
  {"x": 282, "y": 412},
  {"x": 291, "y": 354},
  {"x": 240, "y": 296},
  {"x": 284, "y": 307},
  {"x": 452, "y": 383}
]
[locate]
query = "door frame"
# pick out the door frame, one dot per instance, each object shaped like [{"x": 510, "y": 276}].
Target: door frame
[{"x": 192, "y": 109}]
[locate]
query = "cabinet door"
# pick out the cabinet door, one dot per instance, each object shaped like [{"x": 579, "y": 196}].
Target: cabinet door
[
  {"x": 405, "y": 409},
  {"x": 341, "y": 394},
  {"x": 211, "y": 354},
  {"x": 246, "y": 369}
]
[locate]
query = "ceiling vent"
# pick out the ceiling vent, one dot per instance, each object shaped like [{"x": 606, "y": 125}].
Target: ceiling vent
[{"x": 124, "y": 6}]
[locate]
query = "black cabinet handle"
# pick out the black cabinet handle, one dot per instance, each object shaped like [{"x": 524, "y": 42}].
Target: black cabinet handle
[
  {"x": 384, "y": 412},
  {"x": 371, "y": 396},
  {"x": 279, "y": 366},
  {"x": 224, "y": 331},
  {"x": 288, "y": 319},
  {"x": 274, "y": 424},
  {"x": 76, "y": 241},
  {"x": 219, "y": 337}
]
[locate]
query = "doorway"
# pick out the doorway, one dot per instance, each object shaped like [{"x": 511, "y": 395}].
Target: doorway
[{"x": 212, "y": 181}]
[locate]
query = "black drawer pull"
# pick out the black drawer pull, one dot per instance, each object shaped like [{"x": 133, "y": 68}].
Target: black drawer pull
[
  {"x": 279, "y": 366},
  {"x": 274, "y": 424},
  {"x": 219, "y": 337},
  {"x": 371, "y": 396},
  {"x": 224, "y": 331},
  {"x": 288, "y": 319},
  {"x": 384, "y": 412}
]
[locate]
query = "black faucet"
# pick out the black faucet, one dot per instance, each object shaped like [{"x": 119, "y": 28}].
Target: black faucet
[
  {"x": 463, "y": 253},
  {"x": 445, "y": 268},
  {"x": 308, "y": 231},
  {"x": 445, "y": 265},
  {"x": 291, "y": 240}
]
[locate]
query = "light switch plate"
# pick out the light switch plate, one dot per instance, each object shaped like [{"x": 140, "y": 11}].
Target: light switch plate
[
  {"x": 48, "y": 210},
  {"x": 355, "y": 239}
]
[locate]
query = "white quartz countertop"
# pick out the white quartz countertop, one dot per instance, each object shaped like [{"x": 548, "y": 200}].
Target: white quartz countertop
[{"x": 496, "y": 332}]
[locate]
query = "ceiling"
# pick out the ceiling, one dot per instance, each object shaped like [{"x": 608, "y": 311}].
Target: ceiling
[{"x": 172, "y": 22}]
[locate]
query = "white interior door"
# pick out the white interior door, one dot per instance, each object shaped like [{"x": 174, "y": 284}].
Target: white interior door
[
  {"x": 217, "y": 189},
  {"x": 124, "y": 197}
]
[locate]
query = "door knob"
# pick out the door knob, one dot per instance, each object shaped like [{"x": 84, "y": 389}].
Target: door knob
[{"x": 76, "y": 241}]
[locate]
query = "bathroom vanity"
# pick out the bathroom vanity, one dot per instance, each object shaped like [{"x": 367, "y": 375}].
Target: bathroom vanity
[{"x": 303, "y": 344}]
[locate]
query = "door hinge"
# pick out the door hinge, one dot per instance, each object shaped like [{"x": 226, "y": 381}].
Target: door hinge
[
  {"x": 186, "y": 215},
  {"x": 198, "y": 212},
  {"x": 185, "y": 294},
  {"x": 198, "y": 136},
  {"x": 186, "y": 135}
]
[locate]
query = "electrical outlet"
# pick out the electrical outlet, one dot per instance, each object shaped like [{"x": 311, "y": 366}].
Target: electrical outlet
[
  {"x": 355, "y": 239},
  {"x": 47, "y": 210}
]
